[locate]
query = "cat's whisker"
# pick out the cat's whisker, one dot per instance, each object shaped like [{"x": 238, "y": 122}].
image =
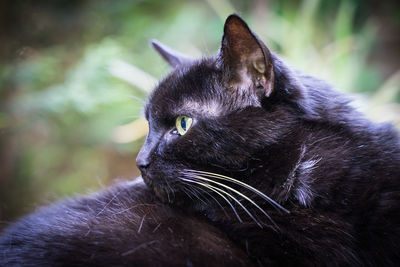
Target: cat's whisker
[
  {"x": 189, "y": 191},
  {"x": 237, "y": 192},
  {"x": 168, "y": 189},
  {"x": 216, "y": 200},
  {"x": 141, "y": 100},
  {"x": 230, "y": 179},
  {"x": 195, "y": 193},
  {"x": 185, "y": 190},
  {"x": 216, "y": 189},
  {"x": 134, "y": 117},
  {"x": 218, "y": 193},
  {"x": 211, "y": 187},
  {"x": 169, "y": 199}
]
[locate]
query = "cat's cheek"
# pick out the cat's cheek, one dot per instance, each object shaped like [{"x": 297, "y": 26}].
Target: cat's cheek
[{"x": 171, "y": 136}]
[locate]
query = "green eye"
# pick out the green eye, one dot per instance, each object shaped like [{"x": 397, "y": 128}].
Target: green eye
[{"x": 183, "y": 124}]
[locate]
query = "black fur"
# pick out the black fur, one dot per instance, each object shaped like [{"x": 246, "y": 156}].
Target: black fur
[
  {"x": 289, "y": 135},
  {"x": 123, "y": 226}
]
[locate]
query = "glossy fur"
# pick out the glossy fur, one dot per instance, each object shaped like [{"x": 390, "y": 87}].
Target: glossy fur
[
  {"x": 290, "y": 136},
  {"x": 332, "y": 176},
  {"x": 122, "y": 226}
]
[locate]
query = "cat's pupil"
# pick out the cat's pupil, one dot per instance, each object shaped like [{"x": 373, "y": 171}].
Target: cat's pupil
[{"x": 183, "y": 124}]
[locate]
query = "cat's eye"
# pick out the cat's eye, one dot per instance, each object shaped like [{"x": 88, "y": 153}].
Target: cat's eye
[{"x": 183, "y": 124}]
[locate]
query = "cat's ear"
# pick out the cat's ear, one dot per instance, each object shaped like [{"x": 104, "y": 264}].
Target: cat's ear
[
  {"x": 246, "y": 58},
  {"x": 174, "y": 58}
]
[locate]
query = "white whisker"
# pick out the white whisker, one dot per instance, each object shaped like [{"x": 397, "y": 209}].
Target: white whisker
[
  {"x": 216, "y": 200},
  {"x": 237, "y": 192},
  {"x": 230, "y": 179},
  {"x": 187, "y": 192},
  {"x": 223, "y": 197},
  {"x": 194, "y": 193},
  {"x": 232, "y": 197}
]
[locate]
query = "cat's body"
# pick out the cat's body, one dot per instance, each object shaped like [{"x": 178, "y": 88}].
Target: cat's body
[
  {"x": 274, "y": 159},
  {"x": 122, "y": 226}
]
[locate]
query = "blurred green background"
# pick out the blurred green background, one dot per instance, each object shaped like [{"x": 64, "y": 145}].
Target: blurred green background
[{"x": 74, "y": 76}]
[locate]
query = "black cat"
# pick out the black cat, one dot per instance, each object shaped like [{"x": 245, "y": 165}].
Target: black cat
[{"x": 262, "y": 164}]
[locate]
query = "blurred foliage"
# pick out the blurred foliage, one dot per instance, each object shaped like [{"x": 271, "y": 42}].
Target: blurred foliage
[{"x": 72, "y": 95}]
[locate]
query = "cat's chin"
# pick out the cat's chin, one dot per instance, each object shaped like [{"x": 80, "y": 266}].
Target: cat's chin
[
  {"x": 173, "y": 193},
  {"x": 164, "y": 193},
  {"x": 157, "y": 190},
  {"x": 161, "y": 194},
  {"x": 178, "y": 199}
]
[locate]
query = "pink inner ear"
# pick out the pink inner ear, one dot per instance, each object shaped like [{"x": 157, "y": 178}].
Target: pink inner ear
[
  {"x": 246, "y": 57},
  {"x": 240, "y": 39}
]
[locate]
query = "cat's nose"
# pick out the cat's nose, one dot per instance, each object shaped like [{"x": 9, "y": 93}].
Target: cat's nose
[
  {"x": 142, "y": 163},
  {"x": 143, "y": 158}
]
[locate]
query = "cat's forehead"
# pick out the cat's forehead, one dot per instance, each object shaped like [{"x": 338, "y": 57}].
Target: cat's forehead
[{"x": 189, "y": 90}]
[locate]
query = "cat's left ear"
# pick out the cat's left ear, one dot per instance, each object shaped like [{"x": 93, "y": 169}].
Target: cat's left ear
[
  {"x": 246, "y": 58},
  {"x": 174, "y": 58}
]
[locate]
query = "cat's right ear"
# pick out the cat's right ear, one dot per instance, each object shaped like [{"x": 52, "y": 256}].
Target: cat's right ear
[
  {"x": 246, "y": 58},
  {"x": 174, "y": 58}
]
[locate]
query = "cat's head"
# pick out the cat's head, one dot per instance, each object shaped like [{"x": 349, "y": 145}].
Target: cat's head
[{"x": 217, "y": 115}]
